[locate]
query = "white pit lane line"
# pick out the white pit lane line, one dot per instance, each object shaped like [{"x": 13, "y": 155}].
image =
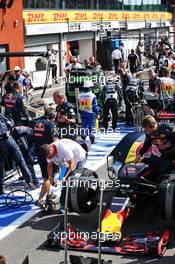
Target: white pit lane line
[{"x": 93, "y": 163}]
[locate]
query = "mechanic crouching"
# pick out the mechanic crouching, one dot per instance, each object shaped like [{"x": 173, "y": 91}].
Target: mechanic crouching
[
  {"x": 161, "y": 136},
  {"x": 66, "y": 117},
  {"x": 69, "y": 153},
  {"x": 9, "y": 146}
]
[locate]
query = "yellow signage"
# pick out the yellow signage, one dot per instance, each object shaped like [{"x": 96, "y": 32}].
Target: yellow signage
[{"x": 39, "y": 17}]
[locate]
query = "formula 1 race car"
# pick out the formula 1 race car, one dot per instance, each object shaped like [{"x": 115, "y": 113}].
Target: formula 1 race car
[
  {"x": 163, "y": 110},
  {"x": 109, "y": 239},
  {"x": 131, "y": 182},
  {"x": 139, "y": 180},
  {"x": 152, "y": 243}
]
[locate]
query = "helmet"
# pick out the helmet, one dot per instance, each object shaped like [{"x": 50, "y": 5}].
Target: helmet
[{"x": 88, "y": 84}]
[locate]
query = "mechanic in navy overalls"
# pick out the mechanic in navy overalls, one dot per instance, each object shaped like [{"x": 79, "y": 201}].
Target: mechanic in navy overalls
[
  {"x": 66, "y": 117},
  {"x": 44, "y": 130},
  {"x": 111, "y": 98},
  {"x": 88, "y": 110},
  {"x": 9, "y": 146},
  {"x": 13, "y": 103},
  {"x": 23, "y": 136},
  {"x": 162, "y": 136}
]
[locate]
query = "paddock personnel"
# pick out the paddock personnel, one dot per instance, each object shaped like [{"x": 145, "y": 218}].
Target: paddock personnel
[
  {"x": 9, "y": 146},
  {"x": 162, "y": 136},
  {"x": 13, "y": 103},
  {"x": 44, "y": 130},
  {"x": 111, "y": 98},
  {"x": 68, "y": 152},
  {"x": 88, "y": 110},
  {"x": 66, "y": 117}
]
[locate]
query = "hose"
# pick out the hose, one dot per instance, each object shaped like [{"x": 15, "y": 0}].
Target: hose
[{"x": 14, "y": 199}]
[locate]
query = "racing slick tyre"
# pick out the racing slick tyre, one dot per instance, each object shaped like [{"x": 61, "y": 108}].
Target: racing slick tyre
[
  {"x": 83, "y": 193},
  {"x": 166, "y": 199}
]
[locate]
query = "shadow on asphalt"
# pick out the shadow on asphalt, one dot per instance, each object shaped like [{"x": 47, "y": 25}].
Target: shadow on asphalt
[
  {"x": 142, "y": 220},
  {"x": 141, "y": 260}
]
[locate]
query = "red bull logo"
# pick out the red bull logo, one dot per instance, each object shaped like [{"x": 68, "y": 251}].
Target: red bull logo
[{"x": 153, "y": 150}]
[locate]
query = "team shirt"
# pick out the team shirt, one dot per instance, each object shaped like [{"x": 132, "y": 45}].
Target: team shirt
[{"x": 67, "y": 150}]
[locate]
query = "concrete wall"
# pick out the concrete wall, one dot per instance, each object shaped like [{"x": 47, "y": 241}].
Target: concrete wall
[{"x": 85, "y": 49}]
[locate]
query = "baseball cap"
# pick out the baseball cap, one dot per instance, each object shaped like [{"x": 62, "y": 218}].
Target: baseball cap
[
  {"x": 24, "y": 72},
  {"x": 17, "y": 68},
  {"x": 88, "y": 84}
]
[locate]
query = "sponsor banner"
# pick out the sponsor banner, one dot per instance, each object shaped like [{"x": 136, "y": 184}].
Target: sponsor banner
[{"x": 39, "y": 17}]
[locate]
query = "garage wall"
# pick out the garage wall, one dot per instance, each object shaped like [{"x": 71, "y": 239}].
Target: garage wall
[{"x": 85, "y": 49}]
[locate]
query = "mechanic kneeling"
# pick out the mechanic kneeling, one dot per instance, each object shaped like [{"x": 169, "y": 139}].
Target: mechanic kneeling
[{"x": 163, "y": 136}]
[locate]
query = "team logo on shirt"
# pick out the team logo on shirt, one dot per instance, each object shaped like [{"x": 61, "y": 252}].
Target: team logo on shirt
[{"x": 39, "y": 129}]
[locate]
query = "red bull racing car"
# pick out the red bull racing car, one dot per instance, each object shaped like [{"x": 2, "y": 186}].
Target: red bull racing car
[{"x": 130, "y": 183}]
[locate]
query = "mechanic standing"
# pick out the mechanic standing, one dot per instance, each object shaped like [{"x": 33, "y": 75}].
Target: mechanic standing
[
  {"x": 88, "y": 110},
  {"x": 9, "y": 146},
  {"x": 117, "y": 58},
  {"x": 153, "y": 82},
  {"x": 133, "y": 61},
  {"x": 111, "y": 98},
  {"x": 153, "y": 106},
  {"x": 44, "y": 130},
  {"x": 163, "y": 137},
  {"x": 125, "y": 79},
  {"x": 66, "y": 117},
  {"x": 13, "y": 103},
  {"x": 68, "y": 152}
]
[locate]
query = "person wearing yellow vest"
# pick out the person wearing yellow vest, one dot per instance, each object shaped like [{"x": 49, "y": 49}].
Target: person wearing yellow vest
[{"x": 88, "y": 110}]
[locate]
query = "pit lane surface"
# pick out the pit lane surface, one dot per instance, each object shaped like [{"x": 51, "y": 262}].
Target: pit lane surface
[{"x": 29, "y": 239}]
